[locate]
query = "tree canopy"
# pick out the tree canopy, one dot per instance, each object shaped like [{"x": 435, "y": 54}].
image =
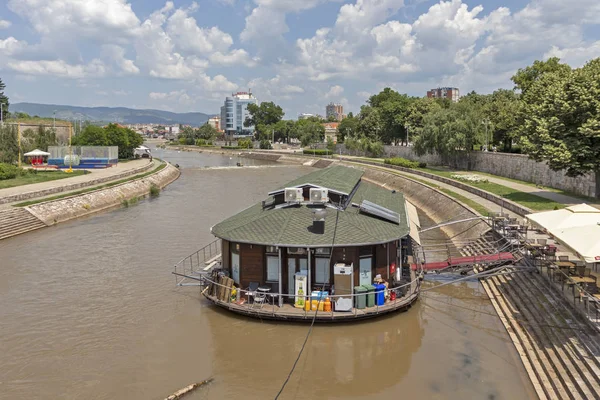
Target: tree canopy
[
  {"x": 561, "y": 119},
  {"x": 110, "y": 135},
  {"x": 3, "y": 100}
]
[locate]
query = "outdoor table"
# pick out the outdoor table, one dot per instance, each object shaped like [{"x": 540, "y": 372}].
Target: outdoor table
[
  {"x": 584, "y": 279},
  {"x": 565, "y": 264}
]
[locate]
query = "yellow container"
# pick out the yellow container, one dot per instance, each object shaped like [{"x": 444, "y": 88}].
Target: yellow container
[
  {"x": 307, "y": 306},
  {"x": 327, "y": 305},
  {"x": 321, "y": 305},
  {"x": 314, "y": 305}
]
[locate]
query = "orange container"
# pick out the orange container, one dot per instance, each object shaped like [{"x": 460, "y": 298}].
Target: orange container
[{"x": 327, "y": 305}]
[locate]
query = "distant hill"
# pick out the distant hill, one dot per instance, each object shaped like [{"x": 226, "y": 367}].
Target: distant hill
[{"x": 121, "y": 115}]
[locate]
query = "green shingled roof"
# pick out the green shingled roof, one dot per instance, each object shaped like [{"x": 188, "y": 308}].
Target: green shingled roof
[
  {"x": 292, "y": 226},
  {"x": 338, "y": 178}
]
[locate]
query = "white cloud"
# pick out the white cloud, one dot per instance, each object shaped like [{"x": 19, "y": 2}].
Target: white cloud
[
  {"x": 575, "y": 56},
  {"x": 180, "y": 97},
  {"x": 235, "y": 57},
  {"x": 335, "y": 91},
  {"x": 101, "y": 20},
  {"x": 188, "y": 37},
  {"x": 10, "y": 46},
  {"x": 117, "y": 55},
  {"x": 59, "y": 68},
  {"x": 4, "y": 24},
  {"x": 364, "y": 95}
]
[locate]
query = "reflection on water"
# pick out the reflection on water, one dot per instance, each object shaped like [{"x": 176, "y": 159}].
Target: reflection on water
[{"x": 89, "y": 310}]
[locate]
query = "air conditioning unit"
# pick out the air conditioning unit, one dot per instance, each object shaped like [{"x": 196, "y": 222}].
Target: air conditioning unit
[
  {"x": 293, "y": 195},
  {"x": 319, "y": 195}
]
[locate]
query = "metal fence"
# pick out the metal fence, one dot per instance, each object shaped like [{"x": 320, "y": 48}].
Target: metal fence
[{"x": 85, "y": 152}]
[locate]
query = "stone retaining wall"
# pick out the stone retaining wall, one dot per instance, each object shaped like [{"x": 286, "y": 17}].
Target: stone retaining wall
[
  {"x": 52, "y": 212},
  {"x": 74, "y": 186},
  {"x": 514, "y": 166}
]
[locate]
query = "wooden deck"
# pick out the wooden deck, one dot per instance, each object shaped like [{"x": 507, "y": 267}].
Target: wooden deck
[{"x": 270, "y": 310}]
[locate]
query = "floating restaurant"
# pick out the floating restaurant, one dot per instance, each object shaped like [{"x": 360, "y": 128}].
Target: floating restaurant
[{"x": 330, "y": 245}]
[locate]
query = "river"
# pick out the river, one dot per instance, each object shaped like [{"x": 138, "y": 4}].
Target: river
[{"x": 89, "y": 310}]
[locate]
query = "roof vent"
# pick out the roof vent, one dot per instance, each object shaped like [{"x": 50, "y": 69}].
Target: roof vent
[
  {"x": 293, "y": 195},
  {"x": 319, "y": 195},
  {"x": 319, "y": 221}
]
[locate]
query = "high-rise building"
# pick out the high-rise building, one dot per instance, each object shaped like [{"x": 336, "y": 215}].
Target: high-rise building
[
  {"x": 234, "y": 113},
  {"x": 451, "y": 93},
  {"x": 334, "y": 110}
]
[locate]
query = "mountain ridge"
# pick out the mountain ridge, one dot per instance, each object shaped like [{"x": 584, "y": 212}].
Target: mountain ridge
[{"x": 123, "y": 115}]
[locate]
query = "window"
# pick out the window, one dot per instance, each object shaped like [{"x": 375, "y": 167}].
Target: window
[
  {"x": 272, "y": 269},
  {"x": 322, "y": 270},
  {"x": 296, "y": 250},
  {"x": 235, "y": 263}
]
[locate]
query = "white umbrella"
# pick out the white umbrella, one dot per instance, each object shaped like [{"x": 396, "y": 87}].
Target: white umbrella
[{"x": 36, "y": 153}]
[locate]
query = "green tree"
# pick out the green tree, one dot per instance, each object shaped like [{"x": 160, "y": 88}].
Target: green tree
[
  {"x": 206, "y": 132},
  {"x": 91, "y": 135},
  {"x": 562, "y": 120},
  {"x": 347, "y": 128},
  {"x": 9, "y": 146},
  {"x": 310, "y": 132},
  {"x": 393, "y": 110},
  {"x": 503, "y": 109},
  {"x": 417, "y": 111},
  {"x": 267, "y": 113},
  {"x": 330, "y": 144},
  {"x": 369, "y": 123},
  {"x": 4, "y": 101},
  {"x": 526, "y": 77}
]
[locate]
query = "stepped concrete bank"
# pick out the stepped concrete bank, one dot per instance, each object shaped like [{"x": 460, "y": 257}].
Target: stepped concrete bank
[
  {"x": 52, "y": 212},
  {"x": 17, "y": 220}
]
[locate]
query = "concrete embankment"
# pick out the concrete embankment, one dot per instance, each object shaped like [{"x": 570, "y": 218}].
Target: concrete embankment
[
  {"x": 15, "y": 221},
  {"x": 58, "y": 188},
  {"x": 52, "y": 212}
]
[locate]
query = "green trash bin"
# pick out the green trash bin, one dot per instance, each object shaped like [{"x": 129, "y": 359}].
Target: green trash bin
[
  {"x": 370, "y": 295},
  {"x": 359, "y": 297}
]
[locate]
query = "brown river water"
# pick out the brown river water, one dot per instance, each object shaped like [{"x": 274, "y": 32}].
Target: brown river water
[{"x": 89, "y": 310}]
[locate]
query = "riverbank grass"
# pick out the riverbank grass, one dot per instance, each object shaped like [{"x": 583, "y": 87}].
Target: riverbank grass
[{"x": 37, "y": 177}]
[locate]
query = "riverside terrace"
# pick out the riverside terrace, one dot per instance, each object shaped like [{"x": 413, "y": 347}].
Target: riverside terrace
[{"x": 329, "y": 243}]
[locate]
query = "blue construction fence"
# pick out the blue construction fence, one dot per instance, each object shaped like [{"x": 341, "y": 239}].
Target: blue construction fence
[{"x": 83, "y": 156}]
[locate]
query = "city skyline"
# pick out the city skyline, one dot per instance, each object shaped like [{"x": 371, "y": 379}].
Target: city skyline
[{"x": 185, "y": 56}]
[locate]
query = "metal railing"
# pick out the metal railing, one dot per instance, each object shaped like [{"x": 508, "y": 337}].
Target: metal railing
[
  {"x": 271, "y": 306},
  {"x": 197, "y": 263}
]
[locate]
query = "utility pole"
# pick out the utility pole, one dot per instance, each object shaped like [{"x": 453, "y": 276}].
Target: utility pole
[
  {"x": 70, "y": 150},
  {"x": 486, "y": 122},
  {"x": 19, "y": 139},
  {"x": 407, "y": 126},
  {"x": 54, "y": 120}
]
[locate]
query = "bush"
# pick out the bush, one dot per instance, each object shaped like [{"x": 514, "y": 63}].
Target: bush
[
  {"x": 154, "y": 190},
  {"x": 8, "y": 171},
  {"x": 231, "y": 147},
  {"x": 245, "y": 144},
  {"x": 265, "y": 144},
  {"x": 422, "y": 165},
  {"x": 204, "y": 143},
  {"x": 401, "y": 162},
  {"x": 317, "y": 152}
]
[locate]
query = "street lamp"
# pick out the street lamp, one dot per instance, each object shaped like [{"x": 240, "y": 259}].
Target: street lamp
[
  {"x": 1, "y": 112},
  {"x": 406, "y": 126},
  {"x": 486, "y": 122},
  {"x": 54, "y": 120}
]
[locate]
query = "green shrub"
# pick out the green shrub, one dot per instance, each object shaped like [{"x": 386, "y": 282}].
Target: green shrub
[
  {"x": 245, "y": 144},
  {"x": 401, "y": 162},
  {"x": 154, "y": 190},
  {"x": 265, "y": 144},
  {"x": 317, "y": 152},
  {"x": 8, "y": 171},
  {"x": 231, "y": 147},
  {"x": 422, "y": 165}
]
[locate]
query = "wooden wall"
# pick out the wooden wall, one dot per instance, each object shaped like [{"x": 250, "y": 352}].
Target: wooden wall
[
  {"x": 226, "y": 256},
  {"x": 252, "y": 264}
]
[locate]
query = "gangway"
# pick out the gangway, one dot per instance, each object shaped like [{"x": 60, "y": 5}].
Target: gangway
[{"x": 191, "y": 270}]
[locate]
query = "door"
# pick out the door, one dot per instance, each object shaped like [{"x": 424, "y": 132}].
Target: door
[
  {"x": 364, "y": 271},
  {"x": 235, "y": 266}
]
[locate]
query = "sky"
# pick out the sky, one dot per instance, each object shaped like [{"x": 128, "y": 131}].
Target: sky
[{"x": 187, "y": 56}]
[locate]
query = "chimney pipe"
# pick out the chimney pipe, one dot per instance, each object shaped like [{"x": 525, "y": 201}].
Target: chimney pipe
[{"x": 319, "y": 221}]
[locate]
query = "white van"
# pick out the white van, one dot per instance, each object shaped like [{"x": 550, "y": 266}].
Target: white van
[{"x": 142, "y": 152}]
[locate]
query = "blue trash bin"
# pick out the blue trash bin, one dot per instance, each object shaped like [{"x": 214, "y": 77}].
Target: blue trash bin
[{"x": 379, "y": 294}]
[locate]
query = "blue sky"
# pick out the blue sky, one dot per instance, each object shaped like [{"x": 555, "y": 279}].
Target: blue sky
[{"x": 187, "y": 56}]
